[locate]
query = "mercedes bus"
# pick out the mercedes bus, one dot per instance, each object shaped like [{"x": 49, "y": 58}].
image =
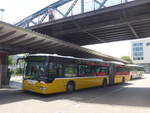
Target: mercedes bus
[{"x": 47, "y": 74}]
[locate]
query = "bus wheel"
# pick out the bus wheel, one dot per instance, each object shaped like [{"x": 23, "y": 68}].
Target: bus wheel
[
  {"x": 104, "y": 83},
  {"x": 123, "y": 80},
  {"x": 70, "y": 87}
]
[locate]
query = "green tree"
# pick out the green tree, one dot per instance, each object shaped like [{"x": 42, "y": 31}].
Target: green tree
[
  {"x": 10, "y": 60},
  {"x": 127, "y": 58}
]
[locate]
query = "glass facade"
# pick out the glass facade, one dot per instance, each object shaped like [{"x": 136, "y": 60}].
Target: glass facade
[{"x": 138, "y": 53}]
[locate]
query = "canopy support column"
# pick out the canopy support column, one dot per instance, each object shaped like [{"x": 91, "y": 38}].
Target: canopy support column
[{"x": 3, "y": 69}]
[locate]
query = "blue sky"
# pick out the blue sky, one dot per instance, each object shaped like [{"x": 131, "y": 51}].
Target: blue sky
[{"x": 16, "y": 10}]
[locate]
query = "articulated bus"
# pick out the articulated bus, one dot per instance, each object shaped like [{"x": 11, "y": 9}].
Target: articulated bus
[
  {"x": 135, "y": 71},
  {"x": 46, "y": 74},
  {"x": 119, "y": 73}
]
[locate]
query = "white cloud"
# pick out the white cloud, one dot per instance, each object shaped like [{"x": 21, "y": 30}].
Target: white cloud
[{"x": 16, "y": 10}]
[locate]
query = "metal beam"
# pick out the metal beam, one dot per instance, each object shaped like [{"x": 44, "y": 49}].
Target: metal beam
[
  {"x": 82, "y": 30},
  {"x": 23, "y": 41},
  {"x": 133, "y": 31},
  {"x": 104, "y": 26},
  {"x": 59, "y": 12},
  {"x": 126, "y": 1},
  {"x": 82, "y": 6},
  {"x": 71, "y": 7},
  {"x": 27, "y": 41},
  {"x": 12, "y": 38},
  {"x": 35, "y": 43},
  {"x": 102, "y": 4},
  {"x": 96, "y": 1},
  {"x": 94, "y": 36},
  {"x": 39, "y": 44},
  {"x": 42, "y": 19},
  {"x": 35, "y": 23},
  {"x": 45, "y": 45},
  {"x": 52, "y": 48},
  {"x": 7, "y": 34},
  {"x": 42, "y": 11}
]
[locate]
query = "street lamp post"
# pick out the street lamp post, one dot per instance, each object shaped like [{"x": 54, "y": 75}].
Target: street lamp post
[{"x": 2, "y": 10}]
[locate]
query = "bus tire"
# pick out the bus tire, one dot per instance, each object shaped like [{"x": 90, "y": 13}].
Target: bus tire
[
  {"x": 70, "y": 87},
  {"x": 123, "y": 80},
  {"x": 104, "y": 83}
]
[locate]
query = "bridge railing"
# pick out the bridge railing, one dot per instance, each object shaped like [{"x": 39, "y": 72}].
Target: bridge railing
[{"x": 66, "y": 8}]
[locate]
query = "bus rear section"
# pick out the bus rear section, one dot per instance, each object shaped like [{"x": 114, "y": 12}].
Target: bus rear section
[
  {"x": 48, "y": 75},
  {"x": 119, "y": 73},
  {"x": 136, "y": 71}
]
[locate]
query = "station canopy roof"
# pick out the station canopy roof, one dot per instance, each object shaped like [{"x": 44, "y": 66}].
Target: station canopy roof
[{"x": 16, "y": 40}]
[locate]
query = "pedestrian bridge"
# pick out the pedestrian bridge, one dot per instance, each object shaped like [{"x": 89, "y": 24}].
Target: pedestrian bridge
[{"x": 126, "y": 21}]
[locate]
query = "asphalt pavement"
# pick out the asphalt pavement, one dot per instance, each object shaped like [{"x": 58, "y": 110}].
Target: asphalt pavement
[{"x": 131, "y": 97}]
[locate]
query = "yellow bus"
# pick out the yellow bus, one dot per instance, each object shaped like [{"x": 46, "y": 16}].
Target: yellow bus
[
  {"x": 135, "y": 71},
  {"x": 119, "y": 73},
  {"x": 46, "y": 74}
]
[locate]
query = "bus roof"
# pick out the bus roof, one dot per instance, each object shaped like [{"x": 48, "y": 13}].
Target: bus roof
[
  {"x": 66, "y": 57},
  {"x": 114, "y": 62},
  {"x": 133, "y": 65}
]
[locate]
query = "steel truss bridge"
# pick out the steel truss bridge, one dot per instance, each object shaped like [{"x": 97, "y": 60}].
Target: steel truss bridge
[
  {"x": 66, "y": 8},
  {"x": 126, "y": 21}
]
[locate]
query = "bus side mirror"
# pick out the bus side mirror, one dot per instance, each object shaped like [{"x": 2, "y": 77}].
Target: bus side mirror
[{"x": 19, "y": 60}]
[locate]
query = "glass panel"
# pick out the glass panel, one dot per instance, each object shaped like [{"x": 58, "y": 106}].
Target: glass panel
[
  {"x": 134, "y": 49},
  {"x": 134, "y": 54},
  {"x": 36, "y": 71},
  {"x": 70, "y": 70},
  {"x": 85, "y": 70},
  {"x": 98, "y": 69},
  {"x": 141, "y": 53},
  {"x": 105, "y": 69},
  {"x": 141, "y": 44},
  {"x": 137, "y": 48},
  {"x": 141, "y": 48},
  {"x": 148, "y": 43},
  {"x": 54, "y": 70}
]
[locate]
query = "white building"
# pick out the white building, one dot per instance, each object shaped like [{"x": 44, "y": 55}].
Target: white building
[{"x": 141, "y": 53}]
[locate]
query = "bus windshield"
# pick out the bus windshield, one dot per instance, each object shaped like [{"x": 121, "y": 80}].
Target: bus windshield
[{"x": 36, "y": 71}]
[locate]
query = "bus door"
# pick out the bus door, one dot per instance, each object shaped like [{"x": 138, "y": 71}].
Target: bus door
[
  {"x": 84, "y": 72},
  {"x": 56, "y": 77},
  {"x": 112, "y": 74}
]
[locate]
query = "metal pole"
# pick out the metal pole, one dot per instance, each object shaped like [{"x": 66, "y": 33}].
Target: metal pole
[
  {"x": 2, "y": 10},
  {"x": 126, "y": 1},
  {"x": 82, "y": 6}
]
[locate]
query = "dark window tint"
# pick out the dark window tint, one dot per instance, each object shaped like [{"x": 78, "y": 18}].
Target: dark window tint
[
  {"x": 84, "y": 70},
  {"x": 70, "y": 70},
  {"x": 55, "y": 70}
]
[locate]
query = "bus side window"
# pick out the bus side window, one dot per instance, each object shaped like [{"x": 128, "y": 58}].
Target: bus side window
[
  {"x": 105, "y": 70},
  {"x": 70, "y": 70},
  {"x": 84, "y": 70},
  {"x": 55, "y": 69}
]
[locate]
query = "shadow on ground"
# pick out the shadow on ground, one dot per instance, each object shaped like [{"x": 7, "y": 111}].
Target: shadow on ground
[{"x": 113, "y": 95}]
